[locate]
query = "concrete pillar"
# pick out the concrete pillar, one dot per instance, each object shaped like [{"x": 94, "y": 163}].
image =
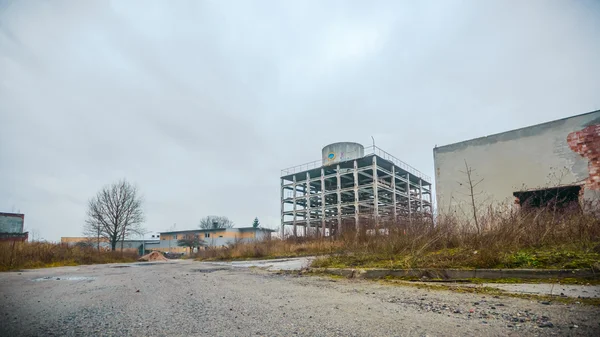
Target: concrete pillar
[
  {"x": 307, "y": 201},
  {"x": 356, "y": 221},
  {"x": 431, "y": 207},
  {"x": 421, "y": 194},
  {"x": 394, "y": 192},
  {"x": 339, "y": 200},
  {"x": 323, "y": 202},
  {"x": 408, "y": 191},
  {"x": 282, "y": 210},
  {"x": 375, "y": 192},
  {"x": 430, "y": 200},
  {"x": 295, "y": 217}
]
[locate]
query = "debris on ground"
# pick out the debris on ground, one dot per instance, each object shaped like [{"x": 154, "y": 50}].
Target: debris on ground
[{"x": 154, "y": 256}]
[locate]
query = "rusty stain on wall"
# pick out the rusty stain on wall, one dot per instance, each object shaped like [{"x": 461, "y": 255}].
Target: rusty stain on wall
[{"x": 586, "y": 142}]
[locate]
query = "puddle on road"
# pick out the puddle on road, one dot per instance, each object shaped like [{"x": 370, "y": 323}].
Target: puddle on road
[
  {"x": 64, "y": 278},
  {"x": 276, "y": 265},
  {"x": 209, "y": 270},
  {"x": 148, "y": 263},
  {"x": 120, "y": 266}
]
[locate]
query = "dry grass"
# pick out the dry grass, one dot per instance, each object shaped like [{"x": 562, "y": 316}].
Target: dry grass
[
  {"x": 24, "y": 255},
  {"x": 534, "y": 239},
  {"x": 275, "y": 248}
]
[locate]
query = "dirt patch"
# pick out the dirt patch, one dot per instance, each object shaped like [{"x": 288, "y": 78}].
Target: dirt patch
[{"x": 154, "y": 256}]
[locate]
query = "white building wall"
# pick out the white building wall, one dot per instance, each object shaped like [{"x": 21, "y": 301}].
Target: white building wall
[{"x": 534, "y": 157}]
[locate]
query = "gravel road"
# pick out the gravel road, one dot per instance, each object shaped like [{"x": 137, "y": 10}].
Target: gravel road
[{"x": 187, "y": 298}]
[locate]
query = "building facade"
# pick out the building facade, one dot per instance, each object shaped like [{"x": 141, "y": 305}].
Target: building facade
[
  {"x": 102, "y": 243},
  {"x": 558, "y": 160},
  {"x": 167, "y": 242},
  {"x": 351, "y": 185},
  {"x": 12, "y": 226},
  {"x": 220, "y": 237}
]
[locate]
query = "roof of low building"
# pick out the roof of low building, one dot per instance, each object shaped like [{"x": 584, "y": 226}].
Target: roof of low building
[
  {"x": 256, "y": 228},
  {"x": 220, "y": 229}
]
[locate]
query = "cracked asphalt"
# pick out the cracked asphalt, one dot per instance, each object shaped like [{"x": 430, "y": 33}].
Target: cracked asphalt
[{"x": 187, "y": 298}]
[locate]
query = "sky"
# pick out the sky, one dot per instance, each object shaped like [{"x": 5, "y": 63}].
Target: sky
[{"x": 202, "y": 103}]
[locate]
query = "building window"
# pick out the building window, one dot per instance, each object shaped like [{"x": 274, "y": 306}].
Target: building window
[
  {"x": 207, "y": 235},
  {"x": 175, "y": 237},
  {"x": 220, "y": 236}
]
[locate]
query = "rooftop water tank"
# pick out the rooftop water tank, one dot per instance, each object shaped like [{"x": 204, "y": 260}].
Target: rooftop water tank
[{"x": 338, "y": 152}]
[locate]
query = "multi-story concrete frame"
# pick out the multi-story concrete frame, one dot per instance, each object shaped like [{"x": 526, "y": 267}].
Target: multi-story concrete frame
[{"x": 349, "y": 185}]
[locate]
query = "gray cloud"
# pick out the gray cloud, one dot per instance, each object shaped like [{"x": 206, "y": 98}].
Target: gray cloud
[{"x": 201, "y": 103}]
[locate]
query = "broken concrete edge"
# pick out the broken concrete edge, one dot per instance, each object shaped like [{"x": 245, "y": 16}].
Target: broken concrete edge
[{"x": 460, "y": 274}]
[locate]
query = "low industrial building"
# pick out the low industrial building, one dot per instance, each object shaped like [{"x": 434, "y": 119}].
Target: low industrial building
[
  {"x": 102, "y": 243},
  {"x": 351, "y": 185},
  {"x": 219, "y": 237},
  {"x": 167, "y": 242},
  {"x": 557, "y": 163},
  {"x": 12, "y": 227}
]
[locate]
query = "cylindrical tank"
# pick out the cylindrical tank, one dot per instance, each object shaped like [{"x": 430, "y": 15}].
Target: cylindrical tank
[{"x": 338, "y": 152}]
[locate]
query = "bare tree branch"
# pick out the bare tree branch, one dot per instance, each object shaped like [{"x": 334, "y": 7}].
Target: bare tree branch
[
  {"x": 471, "y": 186},
  {"x": 215, "y": 222},
  {"x": 115, "y": 213}
]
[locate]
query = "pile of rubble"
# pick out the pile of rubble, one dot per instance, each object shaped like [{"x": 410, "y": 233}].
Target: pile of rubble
[{"x": 154, "y": 256}]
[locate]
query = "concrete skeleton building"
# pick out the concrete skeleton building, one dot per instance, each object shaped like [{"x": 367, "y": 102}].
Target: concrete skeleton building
[
  {"x": 348, "y": 186},
  {"x": 531, "y": 166}
]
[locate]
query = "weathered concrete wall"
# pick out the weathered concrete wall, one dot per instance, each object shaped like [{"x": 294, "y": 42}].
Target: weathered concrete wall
[
  {"x": 262, "y": 235},
  {"x": 561, "y": 152}
]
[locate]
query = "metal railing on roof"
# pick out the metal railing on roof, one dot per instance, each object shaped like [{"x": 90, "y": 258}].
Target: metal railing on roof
[
  {"x": 369, "y": 150},
  {"x": 385, "y": 155},
  {"x": 301, "y": 168}
]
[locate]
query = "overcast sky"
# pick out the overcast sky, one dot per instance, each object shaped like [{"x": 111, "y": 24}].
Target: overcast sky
[{"x": 202, "y": 103}]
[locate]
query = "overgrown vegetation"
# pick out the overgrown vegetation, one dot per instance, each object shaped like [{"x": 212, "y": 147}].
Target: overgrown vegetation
[
  {"x": 537, "y": 238},
  {"x": 275, "y": 248},
  {"x": 25, "y": 255}
]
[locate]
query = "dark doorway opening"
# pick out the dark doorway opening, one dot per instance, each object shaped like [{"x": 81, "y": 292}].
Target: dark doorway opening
[{"x": 563, "y": 197}]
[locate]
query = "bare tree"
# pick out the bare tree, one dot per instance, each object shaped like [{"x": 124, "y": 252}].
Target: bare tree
[
  {"x": 115, "y": 213},
  {"x": 215, "y": 222},
  {"x": 471, "y": 186},
  {"x": 191, "y": 241},
  {"x": 93, "y": 229}
]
